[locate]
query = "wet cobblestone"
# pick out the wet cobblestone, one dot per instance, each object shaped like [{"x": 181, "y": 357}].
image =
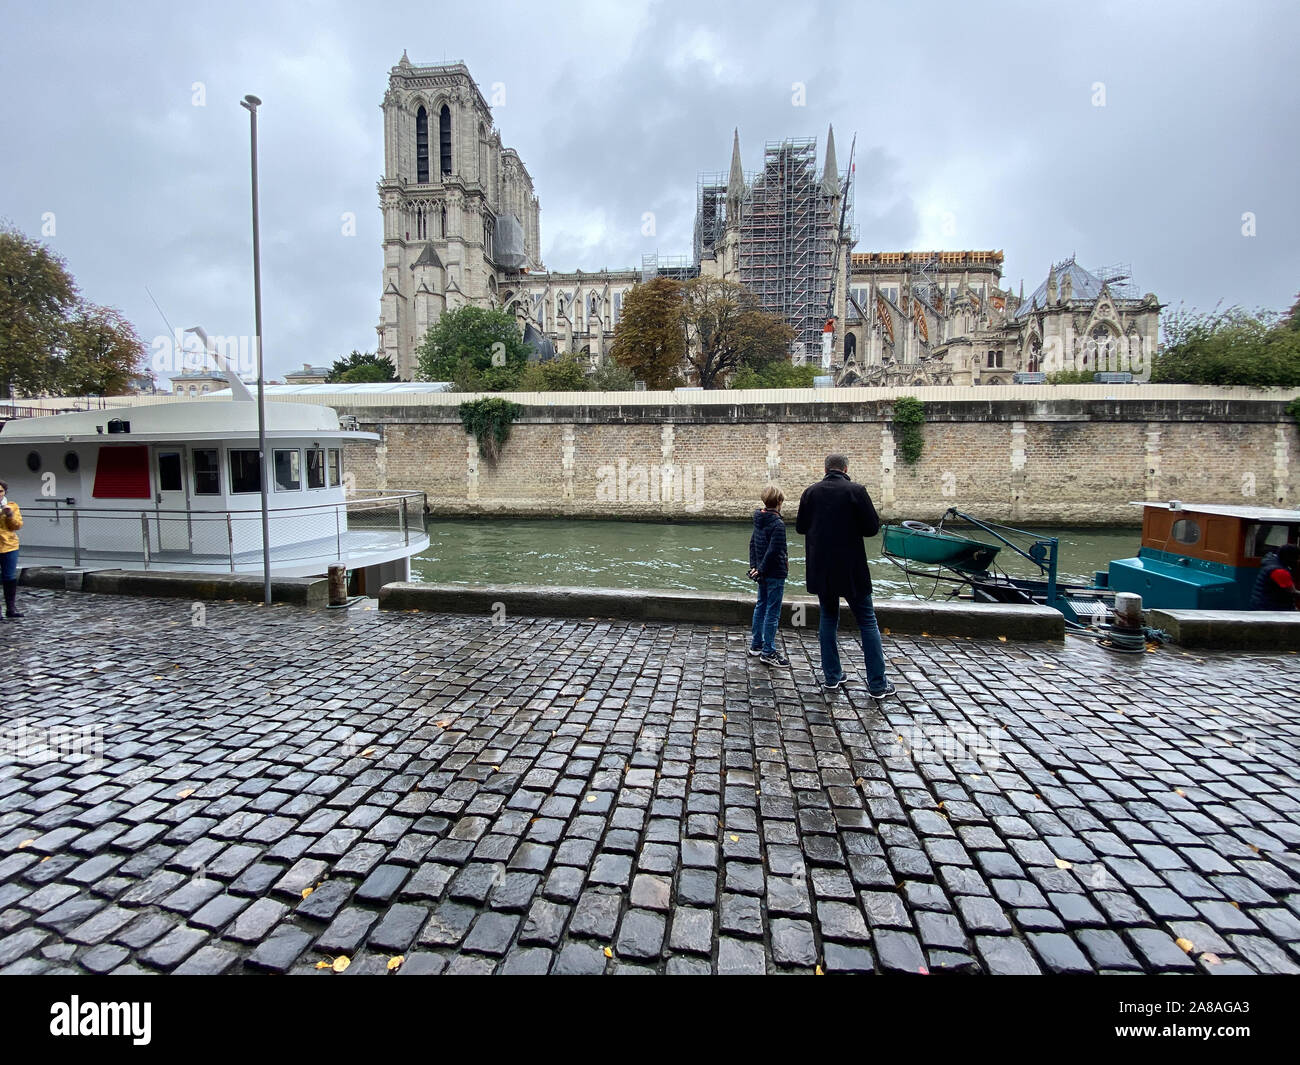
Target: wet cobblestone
[{"x": 279, "y": 787}]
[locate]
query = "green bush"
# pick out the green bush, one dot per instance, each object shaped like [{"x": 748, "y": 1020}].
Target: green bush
[
  {"x": 909, "y": 417},
  {"x": 777, "y": 374},
  {"x": 1227, "y": 347},
  {"x": 1293, "y": 409},
  {"x": 488, "y": 420}
]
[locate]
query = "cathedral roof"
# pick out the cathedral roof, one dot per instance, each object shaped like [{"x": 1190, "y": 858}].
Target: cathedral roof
[
  {"x": 427, "y": 257},
  {"x": 1084, "y": 286},
  {"x": 542, "y": 349}
]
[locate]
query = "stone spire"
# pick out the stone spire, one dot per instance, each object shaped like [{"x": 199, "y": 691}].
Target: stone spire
[
  {"x": 1051, "y": 286},
  {"x": 831, "y": 176},
  {"x": 736, "y": 183}
]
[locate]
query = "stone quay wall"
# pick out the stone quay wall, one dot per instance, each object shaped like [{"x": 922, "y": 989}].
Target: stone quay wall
[{"x": 1023, "y": 457}]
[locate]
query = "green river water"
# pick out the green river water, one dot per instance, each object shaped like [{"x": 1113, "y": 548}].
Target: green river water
[{"x": 691, "y": 556}]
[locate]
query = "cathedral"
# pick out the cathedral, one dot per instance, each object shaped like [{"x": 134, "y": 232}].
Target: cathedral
[{"x": 462, "y": 228}]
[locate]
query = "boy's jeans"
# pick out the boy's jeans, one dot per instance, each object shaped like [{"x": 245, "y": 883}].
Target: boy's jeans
[
  {"x": 871, "y": 649},
  {"x": 767, "y": 613}
]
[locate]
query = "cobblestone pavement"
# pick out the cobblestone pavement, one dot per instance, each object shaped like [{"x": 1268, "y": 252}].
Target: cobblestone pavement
[{"x": 587, "y": 797}]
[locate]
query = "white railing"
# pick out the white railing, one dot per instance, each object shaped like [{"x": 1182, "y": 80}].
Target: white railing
[{"x": 366, "y": 521}]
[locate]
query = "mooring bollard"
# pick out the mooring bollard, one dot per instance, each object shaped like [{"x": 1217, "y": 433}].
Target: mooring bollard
[
  {"x": 1128, "y": 610},
  {"x": 338, "y": 575}
]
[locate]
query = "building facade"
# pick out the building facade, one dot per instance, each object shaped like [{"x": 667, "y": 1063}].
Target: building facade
[{"x": 462, "y": 227}]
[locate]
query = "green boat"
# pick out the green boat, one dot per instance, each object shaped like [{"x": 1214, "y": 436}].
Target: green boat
[{"x": 918, "y": 542}]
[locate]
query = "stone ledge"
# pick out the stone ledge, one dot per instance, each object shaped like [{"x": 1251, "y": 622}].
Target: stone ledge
[
  {"x": 298, "y": 591},
  {"x": 900, "y": 616},
  {"x": 1230, "y": 630}
]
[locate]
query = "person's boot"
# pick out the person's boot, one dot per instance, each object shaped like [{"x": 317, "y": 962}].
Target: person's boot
[{"x": 11, "y": 595}]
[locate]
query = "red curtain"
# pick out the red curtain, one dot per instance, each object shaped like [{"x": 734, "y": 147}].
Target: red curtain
[{"x": 122, "y": 472}]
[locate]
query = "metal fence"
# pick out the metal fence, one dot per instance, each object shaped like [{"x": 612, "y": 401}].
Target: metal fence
[{"x": 157, "y": 536}]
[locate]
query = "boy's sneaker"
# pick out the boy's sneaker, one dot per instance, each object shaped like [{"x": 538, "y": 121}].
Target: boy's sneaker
[
  {"x": 776, "y": 658},
  {"x": 754, "y": 652},
  {"x": 888, "y": 691}
]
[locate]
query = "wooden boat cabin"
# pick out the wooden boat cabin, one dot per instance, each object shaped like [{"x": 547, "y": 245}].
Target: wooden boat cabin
[{"x": 1202, "y": 556}]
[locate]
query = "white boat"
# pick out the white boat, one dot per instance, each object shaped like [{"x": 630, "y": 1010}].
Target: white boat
[{"x": 175, "y": 487}]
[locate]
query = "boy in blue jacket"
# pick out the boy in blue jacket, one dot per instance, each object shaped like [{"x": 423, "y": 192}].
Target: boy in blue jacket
[{"x": 769, "y": 565}]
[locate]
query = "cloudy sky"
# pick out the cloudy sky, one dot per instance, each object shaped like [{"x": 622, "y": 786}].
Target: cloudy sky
[{"x": 1119, "y": 132}]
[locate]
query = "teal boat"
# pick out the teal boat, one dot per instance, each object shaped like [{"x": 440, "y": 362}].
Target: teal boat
[{"x": 918, "y": 542}]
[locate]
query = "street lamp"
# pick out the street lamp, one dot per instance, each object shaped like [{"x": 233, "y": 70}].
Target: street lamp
[{"x": 251, "y": 103}]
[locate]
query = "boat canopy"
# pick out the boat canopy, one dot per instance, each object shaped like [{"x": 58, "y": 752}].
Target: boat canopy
[{"x": 1227, "y": 510}]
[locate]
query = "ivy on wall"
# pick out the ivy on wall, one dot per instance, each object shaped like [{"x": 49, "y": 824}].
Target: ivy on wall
[
  {"x": 488, "y": 420},
  {"x": 909, "y": 417}
]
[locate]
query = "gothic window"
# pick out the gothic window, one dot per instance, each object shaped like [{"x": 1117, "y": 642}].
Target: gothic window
[
  {"x": 442, "y": 221},
  {"x": 422, "y": 146},
  {"x": 444, "y": 139},
  {"x": 559, "y": 305},
  {"x": 482, "y": 156},
  {"x": 618, "y": 307},
  {"x": 593, "y": 309},
  {"x": 850, "y": 346},
  {"x": 487, "y": 238}
]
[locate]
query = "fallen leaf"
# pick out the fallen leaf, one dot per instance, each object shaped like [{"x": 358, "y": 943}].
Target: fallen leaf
[
  {"x": 591, "y": 798},
  {"x": 818, "y": 971},
  {"x": 608, "y": 953},
  {"x": 1253, "y": 847},
  {"x": 367, "y": 752},
  {"x": 185, "y": 794},
  {"x": 496, "y": 769},
  {"x": 1179, "y": 791},
  {"x": 1186, "y": 945},
  {"x": 1211, "y": 959},
  {"x": 396, "y": 963},
  {"x": 323, "y": 964},
  {"x": 341, "y": 963},
  {"x": 307, "y": 891},
  {"x": 26, "y": 843},
  {"x": 1236, "y": 904},
  {"x": 1002, "y": 639},
  {"x": 885, "y": 632},
  {"x": 45, "y": 859},
  {"x": 1061, "y": 863},
  {"x": 925, "y": 634},
  {"x": 735, "y": 839}
]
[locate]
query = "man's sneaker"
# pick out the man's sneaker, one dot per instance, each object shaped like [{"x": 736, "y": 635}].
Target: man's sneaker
[
  {"x": 831, "y": 685},
  {"x": 754, "y": 652},
  {"x": 889, "y": 690},
  {"x": 776, "y": 658}
]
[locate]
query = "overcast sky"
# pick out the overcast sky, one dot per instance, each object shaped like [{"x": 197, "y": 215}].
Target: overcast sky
[{"x": 978, "y": 126}]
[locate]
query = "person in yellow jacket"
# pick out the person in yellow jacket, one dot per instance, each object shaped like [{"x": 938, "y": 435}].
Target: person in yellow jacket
[{"x": 11, "y": 520}]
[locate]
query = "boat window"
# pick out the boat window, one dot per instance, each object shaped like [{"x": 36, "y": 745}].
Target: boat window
[
  {"x": 245, "y": 471},
  {"x": 288, "y": 469},
  {"x": 1262, "y": 538},
  {"x": 1185, "y": 531},
  {"x": 207, "y": 472},
  {"x": 315, "y": 467},
  {"x": 336, "y": 467},
  {"x": 170, "y": 478}
]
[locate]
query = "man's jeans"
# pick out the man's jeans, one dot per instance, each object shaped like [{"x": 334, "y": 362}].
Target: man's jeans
[
  {"x": 871, "y": 649},
  {"x": 767, "y": 613}
]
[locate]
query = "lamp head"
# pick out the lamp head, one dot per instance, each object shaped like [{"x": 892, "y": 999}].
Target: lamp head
[{"x": 250, "y": 102}]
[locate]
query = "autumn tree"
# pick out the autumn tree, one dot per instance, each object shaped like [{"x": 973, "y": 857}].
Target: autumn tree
[
  {"x": 37, "y": 294},
  {"x": 727, "y": 329},
  {"x": 101, "y": 353},
  {"x": 650, "y": 340}
]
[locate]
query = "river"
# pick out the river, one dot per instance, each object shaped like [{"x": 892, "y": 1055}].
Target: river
[{"x": 692, "y": 556}]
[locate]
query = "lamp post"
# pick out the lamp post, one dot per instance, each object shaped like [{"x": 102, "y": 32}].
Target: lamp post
[{"x": 250, "y": 104}]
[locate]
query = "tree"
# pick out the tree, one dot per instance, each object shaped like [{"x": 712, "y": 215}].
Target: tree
[
  {"x": 776, "y": 375},
  {"x": 562, "y": 374},
  {"x": 726, "y": 329},
  {"x": 650, "y": 341},
  {"x": 36, "y": 296},
  {"x": 609, "y": 376},
  {"x": 101, "y": 353},
  {"x": 361, "y": 367},
  {"x": 1227, "y": 347},
  {"x": 1292, "y": 320},
  {"x": 477, "y": 350}
]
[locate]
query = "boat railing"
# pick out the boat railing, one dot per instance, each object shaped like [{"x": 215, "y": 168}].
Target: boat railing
[{"x": 365, "y": 519}]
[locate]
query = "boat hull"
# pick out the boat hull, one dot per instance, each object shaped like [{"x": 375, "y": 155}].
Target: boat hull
[{"x": 938, "y": 548}]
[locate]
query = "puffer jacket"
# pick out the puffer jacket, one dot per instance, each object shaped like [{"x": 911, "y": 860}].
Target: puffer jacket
[
  {"x": 9, "y": 526},
  {"x": 767, "y": 548}
]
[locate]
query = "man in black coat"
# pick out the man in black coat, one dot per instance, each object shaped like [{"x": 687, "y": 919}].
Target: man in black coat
[{"x": 834, "y": 515}]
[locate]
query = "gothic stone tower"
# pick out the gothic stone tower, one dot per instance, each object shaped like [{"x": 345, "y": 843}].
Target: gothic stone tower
[{"x": 459, "y": 210}]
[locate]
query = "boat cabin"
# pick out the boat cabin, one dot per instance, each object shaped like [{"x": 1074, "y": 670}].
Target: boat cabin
[
  {"x": 177, "y": 486},
  {"x": 1202, "y": 556}
]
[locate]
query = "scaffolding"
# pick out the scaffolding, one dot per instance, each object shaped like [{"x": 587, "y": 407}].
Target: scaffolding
[
  {"x": 710, "y": 214},
  {"x": 677, "y": 267},
  {"x": 787, "y": 249}
]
